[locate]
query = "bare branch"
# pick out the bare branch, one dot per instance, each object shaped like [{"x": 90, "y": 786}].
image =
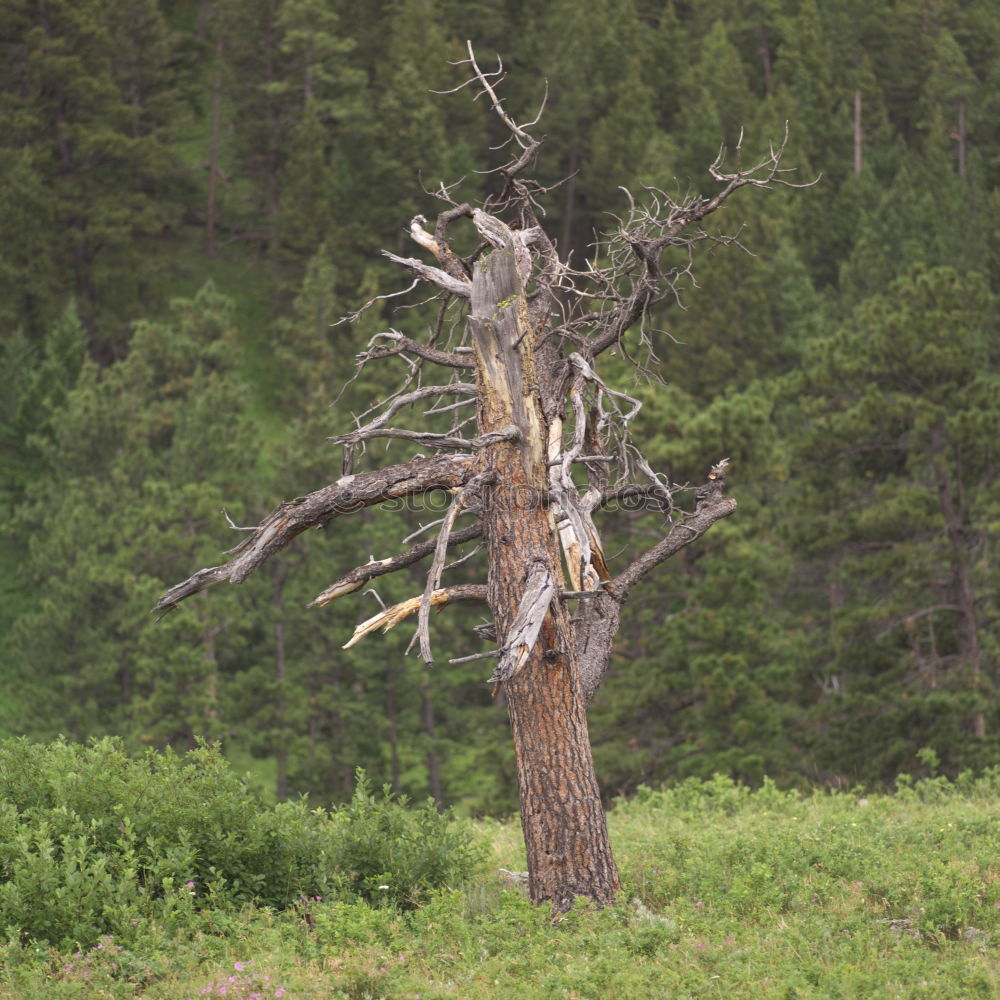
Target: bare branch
[
  {"x": 438, "y": 244},
  {"x": 391, "y": 617},
  {"x": 405, "y": 345},
  {"x": 349, "y": 493},
  {"x": 489, "y": 81},
  {"x": 398, "y": 403},
  {"x": 635, "y": 250},
  {"x": 522, "y": 137},
  {"x": 440, "y": 554},
  {"x": 489, "y": 654},
  {"x": 430, "y": 440},
  {"x": 443, "y": 280},
  {"x": 597, "y": 620},
  {"x": 354, "y": 316},
  {"x": 711, "y": 507},
  {"x": 360, "y": 575}
]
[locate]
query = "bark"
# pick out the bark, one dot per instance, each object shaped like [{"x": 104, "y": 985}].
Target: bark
[
  {"x": 349, "y": 493},
  {"x": 562, "y": 816}
]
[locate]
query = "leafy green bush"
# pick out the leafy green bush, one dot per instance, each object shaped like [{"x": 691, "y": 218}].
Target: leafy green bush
[
  {"x": 93, "y": 842},
  {"x": 393, "y": 854}
]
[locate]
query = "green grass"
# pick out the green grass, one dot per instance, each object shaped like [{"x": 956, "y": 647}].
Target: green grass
[{"x": 728, "y": 894}]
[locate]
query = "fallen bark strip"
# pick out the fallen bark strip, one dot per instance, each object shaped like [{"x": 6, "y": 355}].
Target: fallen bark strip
[
  {"x": 539, "y": 589},
  {"x": 349, "y": 493}
]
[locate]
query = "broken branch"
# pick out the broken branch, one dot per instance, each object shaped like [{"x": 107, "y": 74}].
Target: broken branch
[{"x": 391, "y": 617}]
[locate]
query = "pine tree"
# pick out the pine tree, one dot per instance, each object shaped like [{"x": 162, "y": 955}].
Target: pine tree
[
  {"x": 87, "y": 95},
  {"x": 134, "y": 464},
  {"x": 896, "y": 455}
]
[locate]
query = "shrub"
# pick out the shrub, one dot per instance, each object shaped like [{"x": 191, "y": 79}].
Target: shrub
[
  {"x": 93, "y": 842},
  {"x": 390, "y": 853}
]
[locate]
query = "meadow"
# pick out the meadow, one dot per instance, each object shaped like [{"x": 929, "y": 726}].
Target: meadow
[{"x": 728, "y": 892}]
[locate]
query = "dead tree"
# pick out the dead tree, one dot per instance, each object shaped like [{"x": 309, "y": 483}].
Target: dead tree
[{"x": 532, "y": 329}]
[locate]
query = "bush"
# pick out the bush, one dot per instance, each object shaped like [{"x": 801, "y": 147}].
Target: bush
[
  {"x": 389, "y": 853},
  {"x": 93, "y": 842}
]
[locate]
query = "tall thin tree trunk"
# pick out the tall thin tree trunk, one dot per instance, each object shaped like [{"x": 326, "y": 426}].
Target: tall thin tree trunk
[
  {"x": 281, "y": 744},
  {"x": 392, "y": 727},
  {"x": 561, "y": 811},
  {"x": 961, "y": 139},
  {"x": 963, "y": 592},
  {"x": 569, "y": 207},
  {"x": 765, "y": 54},
  {"x": 430, "y": 731},
  {"x": 857, "y": 132},
  {"x": 211, "y": 680},
  {"x": 213, "y": 156}
]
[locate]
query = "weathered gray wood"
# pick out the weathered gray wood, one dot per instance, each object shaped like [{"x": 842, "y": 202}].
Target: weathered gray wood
[
  {"x": 349, "y": 493},
  {"x": 539, "y": 589}
]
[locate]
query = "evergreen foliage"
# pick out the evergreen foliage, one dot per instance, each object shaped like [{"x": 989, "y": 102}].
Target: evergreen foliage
[{"x": 850, "y": 369}]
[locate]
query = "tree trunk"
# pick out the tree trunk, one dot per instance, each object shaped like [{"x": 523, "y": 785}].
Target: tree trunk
[
  {"x": 561, "y": 812},
  {"x": 213, "y": 156},
  {"x": 392, "y": 727},
  {"x": 963, "y": 593},
  {"x": 281, "y": 746},
  {"x": 430, "y": 731},
  {"x": 857, "y": 132},
  {"x": 961, "y": 139}
]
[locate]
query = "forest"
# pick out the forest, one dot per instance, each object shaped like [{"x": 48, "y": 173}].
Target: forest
[{"x": 196, "y": 195}]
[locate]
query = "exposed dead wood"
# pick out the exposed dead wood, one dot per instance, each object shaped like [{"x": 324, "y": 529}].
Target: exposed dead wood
[
  {"x": 349, "y": 493},
  {"x": 443, "y": 280},
  {"x": 440, "y": 553},
  {"x": 391, "y": 617},
  {"x": 428, "y": 440},
  {"x": 539, "y": 589},
  {"x": 360, "y": 575},
  {"x": 402, "y": 345}
]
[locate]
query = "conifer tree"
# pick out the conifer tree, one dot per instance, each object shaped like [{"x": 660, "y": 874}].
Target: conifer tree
[
  {"x": 138, "y": 460},
  {"x": 897, "y": 457},
  {"x": 87, "y": 94}
]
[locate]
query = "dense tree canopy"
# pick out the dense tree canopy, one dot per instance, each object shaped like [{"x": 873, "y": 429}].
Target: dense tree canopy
[{"x": 840, "y": 622}]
